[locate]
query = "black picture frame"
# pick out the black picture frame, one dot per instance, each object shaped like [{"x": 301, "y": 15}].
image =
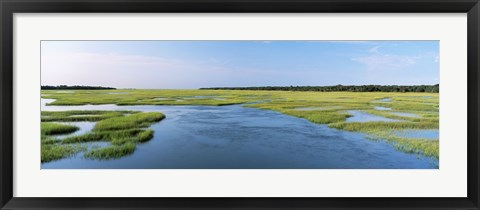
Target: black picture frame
[{"x": 9, "y": 7}]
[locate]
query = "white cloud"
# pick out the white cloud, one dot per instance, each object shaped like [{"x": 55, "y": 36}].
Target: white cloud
[
  {"x": 349, "y": 41},
  {"x": 386, "y": 61},
  {"x": 390, "y": 68},
  {"x": 374, "y": 49},
  {"x": 379, "y": 60}
]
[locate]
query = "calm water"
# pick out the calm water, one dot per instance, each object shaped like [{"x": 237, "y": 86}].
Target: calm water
[
  {"x": 423, "y": 134},
  {"x": 383, "y": 100},
  {"x": 316, "y": 108},
  {"x": 405, "y": 114},
  {"x": 381, "y": 108},
  {"x": 359, "y": 116},
  {"x": 84, "y": 127},
  {"x": 224, "y": 137}
]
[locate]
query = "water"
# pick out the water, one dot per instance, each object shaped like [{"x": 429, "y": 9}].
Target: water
[
  {"x": 316, "y": 108},
  {"x": 405, "y": 114},
  {"x": 84, "y": 127},
  {"x": 422, "y": 134},
  {"x": 423, "y": 97},
  {"x": 381, "y": 108},
  {"x": 89, "y": 146},
  {"x": 226, "y": 137},
  {"x": 204, "y": 97},
  {"x": 383, "y": 100},
  {"x": 359, "y": 116}
]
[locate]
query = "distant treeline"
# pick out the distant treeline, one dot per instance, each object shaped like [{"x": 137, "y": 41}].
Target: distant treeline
[
  {"x": 350, "y": 88},
  {"x": 75, "y": 87}
]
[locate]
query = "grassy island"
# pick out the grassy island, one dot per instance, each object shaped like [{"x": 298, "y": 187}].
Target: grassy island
[{"x": 121, "y": 130}]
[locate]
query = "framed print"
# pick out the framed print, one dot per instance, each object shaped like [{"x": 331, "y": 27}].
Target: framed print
[{"x": 239, "y": 105}]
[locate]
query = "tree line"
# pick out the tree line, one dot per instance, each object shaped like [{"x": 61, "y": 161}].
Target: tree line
[
  {"x": 75, "y": 87},
  {"x": 349, "y": 88}
]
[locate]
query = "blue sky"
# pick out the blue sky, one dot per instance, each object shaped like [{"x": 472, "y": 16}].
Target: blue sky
[{"x": 195, "y": 64}]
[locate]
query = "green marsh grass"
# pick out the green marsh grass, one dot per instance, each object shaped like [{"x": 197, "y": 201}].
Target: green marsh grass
[
  {"x": 74, "y": 116},
  {"x": 137, "y": 120},
  {"x": 57, "y": 128},
  {"x": 110, "y": 152},
  {"x": 51, "y": 152},
  {"x": 320, "y": 117},
  {"x": 115, "y": 137}
]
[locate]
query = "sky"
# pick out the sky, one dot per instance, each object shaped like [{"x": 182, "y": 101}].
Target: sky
[{"x": 196, "y": 64}]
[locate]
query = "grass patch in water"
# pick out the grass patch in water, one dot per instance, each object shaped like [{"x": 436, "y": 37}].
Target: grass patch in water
[
  {"x": 138, "y": 120},
  {"x": 110, "y": 152},
  {"x": 427, "y": 147},
  {"x": 51, "y": 152},
  {"x": 88, "y": 137},
  {"x": 57, "y": 128},
  {"x": 320, "y": 117},
  {"x": 48, "y": 140},
  {"x": 377, "y": 125},
  {"x": 74, "y": 116},
  {"x": 115, "y": 137},
  {"x": 123, "y": 131},
  {"x": 385, "y": 131}
]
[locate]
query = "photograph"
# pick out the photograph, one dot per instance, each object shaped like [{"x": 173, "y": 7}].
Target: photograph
[
  {"x": 239, "y": 104},
  {"x": 249, "y": 105}
]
